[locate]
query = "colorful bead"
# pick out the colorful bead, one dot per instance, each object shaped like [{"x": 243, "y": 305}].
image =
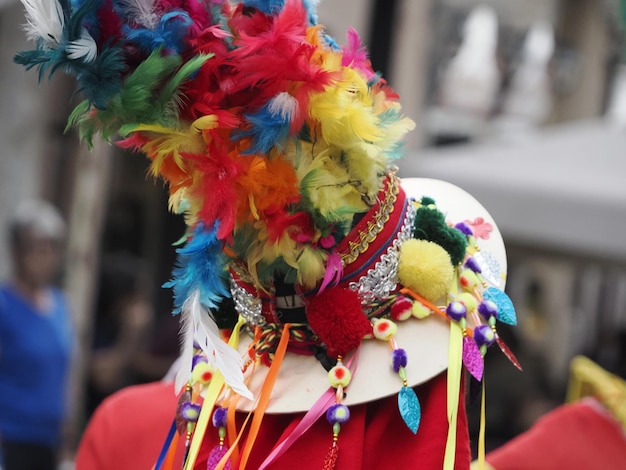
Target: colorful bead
[
  {"x": 202, "y": 373},
  {"x": 384, "y": 329},
  {"x": 468, "y": 300},
  {"x": 456, "y": 311},
  {"x": 420, "y": 311},
  {"x": 190, "y": 412},
  {"x": 338, "y": 413},
  {"x": 469, "y": 281},
  {"x": 488, "y": 309},
  {"x": 198, "y": 358},
  {"x": 219, "y": 417},
  {"x": 399, "y": 359},
  {"x": 401, "y": 309},
  {"x": 464, "y": 228},
  {"x": 484, "y": 335},
  {"x": 339, "y": 376},
  {"x": 472, "y": 263}
]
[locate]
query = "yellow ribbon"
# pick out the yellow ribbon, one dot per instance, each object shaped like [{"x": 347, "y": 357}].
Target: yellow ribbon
[
  {"x": 213, "y": 393},
  {"x": 481, "y": 432},
  {"x": 455, "y": 364}
]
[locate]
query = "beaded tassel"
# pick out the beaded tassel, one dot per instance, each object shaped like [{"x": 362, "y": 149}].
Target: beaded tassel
[
  {"x": 219, "y": 421},
  {"x": 187, "y": 416},
  {"x": 408, "y": 404},
  {"x": 339, "y": 377},
  {"x": 472, "y": 358}
]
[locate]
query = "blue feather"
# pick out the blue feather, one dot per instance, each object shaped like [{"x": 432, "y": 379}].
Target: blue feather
[
  {"x": 267, "y": 131},
  {"x": 169, "y": 34},
  {"x": 200, "y": 265},
  {"x": 269, "y": 7},
  {"x": 271, "y": 124}
]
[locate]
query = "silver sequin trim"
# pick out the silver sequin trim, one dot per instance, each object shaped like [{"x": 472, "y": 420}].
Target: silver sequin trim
[
  {"x": 382, "y": 279},
  {"x": 247, "y": 305}
]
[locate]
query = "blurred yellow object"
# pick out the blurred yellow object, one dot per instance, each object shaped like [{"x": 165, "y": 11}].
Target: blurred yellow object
[{"x": 588, "y": 379}]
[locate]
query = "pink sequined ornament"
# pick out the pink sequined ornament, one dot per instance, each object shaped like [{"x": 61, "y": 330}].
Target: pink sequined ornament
[
  {"x": 215, "y": 456},
  {"x": 472, "y": 358}
]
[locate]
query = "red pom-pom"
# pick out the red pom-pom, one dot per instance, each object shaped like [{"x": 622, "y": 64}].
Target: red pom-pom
[
  {"x": 337, "y": 317},
  {"x": 401, "y": 309}
]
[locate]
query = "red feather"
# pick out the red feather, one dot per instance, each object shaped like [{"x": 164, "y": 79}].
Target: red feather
[{"x": 216, "y": 175}]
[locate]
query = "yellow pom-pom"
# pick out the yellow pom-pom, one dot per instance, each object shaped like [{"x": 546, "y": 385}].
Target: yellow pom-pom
[
  {"x": 425, "y": 268},
  {"x": 469, "y": 281},
  {"x": 468, "y": 300},
  {"x": 202, "y": 373},
  {"x": 339, "y": 375},
  {"x": 384, "y": 329},
  {"x": 419, "y": 310}
]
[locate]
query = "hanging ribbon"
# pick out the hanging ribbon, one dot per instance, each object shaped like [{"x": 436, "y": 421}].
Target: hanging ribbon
[
  {"x": 453, "y": 391},
  {"x": 213, "y": 393},
  {"x": 265, "y": 395},
  {"x": 481, "y": 432},
  {"x": 170, "y": 442},
  {"x": 314, "y": 413}
]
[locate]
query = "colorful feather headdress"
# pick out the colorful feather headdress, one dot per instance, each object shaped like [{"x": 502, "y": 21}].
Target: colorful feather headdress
[{"x": 277, "y": 146}]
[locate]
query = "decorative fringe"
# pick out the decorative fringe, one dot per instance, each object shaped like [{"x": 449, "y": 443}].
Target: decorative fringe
[{"x": 331, "y": 457}]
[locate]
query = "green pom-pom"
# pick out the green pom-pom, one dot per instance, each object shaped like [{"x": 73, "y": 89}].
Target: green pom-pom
[
  {"x": 427, "y": 201},
  {"x": 430, "y": 224}
]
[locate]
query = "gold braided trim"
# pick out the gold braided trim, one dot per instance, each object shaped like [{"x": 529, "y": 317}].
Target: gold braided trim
[{"x": 375, "y": 225}]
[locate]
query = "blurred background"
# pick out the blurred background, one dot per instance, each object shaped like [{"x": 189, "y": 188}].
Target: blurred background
[{"x": 520, "y": 102}]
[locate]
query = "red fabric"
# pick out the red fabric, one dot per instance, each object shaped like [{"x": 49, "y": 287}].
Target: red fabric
[
  {"x": 580, "y": 436},
  {"x": 128, "y": 429},
  {"x": 374, "y": 438}
]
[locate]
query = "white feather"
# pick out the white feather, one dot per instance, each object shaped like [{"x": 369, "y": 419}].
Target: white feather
[
  {"x": 84, "y": 48},
  {"x": 283, "y": 105},
  {"x": 44, "y": 19},
  {"x": 141, "y": 11},
  {"x": 185, "y": 360},
  {"x": 198, "y": 325}
]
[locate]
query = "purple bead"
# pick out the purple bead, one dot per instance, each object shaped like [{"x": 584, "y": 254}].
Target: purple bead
[
  {"x": 456, "y": 311},
  {"x": 190, "y": 411},
  {"x": 472, "y": 264},
  {"x": 399, "y": 359},
  {"x": 338, "y": 414},
  {"x": 488, "y": 308},
  {"x": 483, "y": 334},
  {"x": 465, "y": 228},
  {"x": 197, "y": 359},
  {"x": 220, "y": 417}
]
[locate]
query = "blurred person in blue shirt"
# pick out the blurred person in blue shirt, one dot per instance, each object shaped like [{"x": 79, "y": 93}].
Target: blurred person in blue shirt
[{"x": 36, "y": 341}]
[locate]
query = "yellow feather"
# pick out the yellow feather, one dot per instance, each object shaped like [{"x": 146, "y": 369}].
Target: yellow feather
[
  {"x": 330, "y": 190},
  {"x": 311, "y": 267},
  {"x": 345, "y": 111},
  {"x": 168, "y": 142},
  {"x": 367, "y": 164}
]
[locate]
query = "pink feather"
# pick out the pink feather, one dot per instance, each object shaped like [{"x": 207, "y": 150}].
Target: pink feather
[{"x": 355, "y": 54}]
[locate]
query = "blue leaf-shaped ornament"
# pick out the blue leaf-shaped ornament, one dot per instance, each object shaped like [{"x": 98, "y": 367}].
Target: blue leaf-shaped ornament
[
  {"x": 506, "y": 310},
  {"x": 410, "y": 409}
]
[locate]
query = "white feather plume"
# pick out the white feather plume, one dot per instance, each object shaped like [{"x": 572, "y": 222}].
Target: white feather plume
[
  {"x": 84, "y": 48},
  {"x": 44, "y": 19},
  {"x": 198, "y": 325},
  {"x": 141, "y": 11}
]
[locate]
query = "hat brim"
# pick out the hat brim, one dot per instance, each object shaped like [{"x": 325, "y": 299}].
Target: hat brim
[{"x": 302, "y": 379}]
